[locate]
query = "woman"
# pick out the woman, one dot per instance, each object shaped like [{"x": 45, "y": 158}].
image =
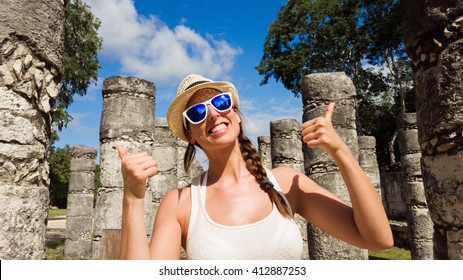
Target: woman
[{"x": 238, "y": 209}]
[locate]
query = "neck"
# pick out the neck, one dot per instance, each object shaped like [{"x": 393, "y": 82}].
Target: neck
[{"x": 226, "y": 164}]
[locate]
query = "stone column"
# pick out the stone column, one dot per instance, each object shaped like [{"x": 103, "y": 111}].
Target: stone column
[
  {"x": 318, "y": 90},
  {"x": 31, "y": 51},
  {"x": 369, "y": 162},
  {"x": 392, "y": 185},
  {"x": 165, "y": 152},
  {"x": 419, "y": 221},
  {"x": 433, "y": 35},
  {"x": 286, "y": 150},
  {"x": 128, "y": 120},
  {"x": 79, "y": 218},
  {"x": 265, "y": 150}
]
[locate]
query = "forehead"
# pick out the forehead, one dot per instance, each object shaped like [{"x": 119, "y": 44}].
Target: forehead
[{"x": 202, "y": 95}]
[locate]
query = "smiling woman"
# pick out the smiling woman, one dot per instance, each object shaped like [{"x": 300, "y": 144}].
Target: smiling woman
[{"x": 238, "y": 209}]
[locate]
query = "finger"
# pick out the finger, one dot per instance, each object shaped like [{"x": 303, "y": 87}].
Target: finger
[
  {"x": 314, "y": 143},
  {"x": 122, "y": 152},
  {"x": 312, "y": 128},
  {"x": 150, "y": 172},
  {"x": 329, "y": 111},
  {"x": 311, "y": 122},
  {"x": 147, "y": 164},
  {"x": 308, "y": 123},
  {"x": 313, "y": 136}
]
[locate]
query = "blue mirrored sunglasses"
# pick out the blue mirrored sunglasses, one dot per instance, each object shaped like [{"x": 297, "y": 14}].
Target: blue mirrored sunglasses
[{"x": 197, "y": 113}]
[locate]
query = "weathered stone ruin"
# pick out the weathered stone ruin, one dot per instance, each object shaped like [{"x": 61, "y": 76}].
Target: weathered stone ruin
[
  {"x": 128, "y": 120},
  {"x": 79, "y": 217},
  {"x": 318, "y": 90},
  {"x": 31, "y": 51},
  {"x": 368, "y": 161},
  {"x": 265, "y": 150},
  {"x": 433, "y": 35},
  {"x": 419, "y": 221},
  {"x": 286, "y": 150}
]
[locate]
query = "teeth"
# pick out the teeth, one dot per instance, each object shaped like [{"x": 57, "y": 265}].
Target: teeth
[{"x": 218, "y": 128}]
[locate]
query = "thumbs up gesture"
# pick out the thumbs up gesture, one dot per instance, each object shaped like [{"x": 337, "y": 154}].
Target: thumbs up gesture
[
  {"x": 319, "y": 132},
  {"x": 136, "y": 170}
]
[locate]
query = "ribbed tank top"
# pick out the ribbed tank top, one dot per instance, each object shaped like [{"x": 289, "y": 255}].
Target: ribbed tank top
[{"x": 273, "y": 237}]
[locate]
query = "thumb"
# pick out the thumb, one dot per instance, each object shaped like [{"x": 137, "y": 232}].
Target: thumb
[
  {"x": 329, "y": 111},
  {"x": 122, "y": 152}
]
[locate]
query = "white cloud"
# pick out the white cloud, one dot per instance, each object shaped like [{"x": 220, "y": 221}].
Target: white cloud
[{"x": 147, "y": 48}]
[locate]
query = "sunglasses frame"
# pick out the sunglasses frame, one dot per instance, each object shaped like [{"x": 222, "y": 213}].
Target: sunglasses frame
[{"x": 205, "y": 103}]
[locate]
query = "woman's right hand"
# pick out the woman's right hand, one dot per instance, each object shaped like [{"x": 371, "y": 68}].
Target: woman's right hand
[{"x": 136, "y": 170}]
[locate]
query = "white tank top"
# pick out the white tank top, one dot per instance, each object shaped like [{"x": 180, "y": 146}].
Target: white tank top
[{"x": 273, "y": 237}]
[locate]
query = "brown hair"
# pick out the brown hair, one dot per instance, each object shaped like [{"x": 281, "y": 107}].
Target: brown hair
[{"x": 253, "y": 164}]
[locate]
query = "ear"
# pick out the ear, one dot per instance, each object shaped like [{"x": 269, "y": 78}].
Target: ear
[{"x": 189, "y": 137}]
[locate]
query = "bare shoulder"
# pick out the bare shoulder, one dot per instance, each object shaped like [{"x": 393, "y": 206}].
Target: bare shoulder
[
  {"x": 178, "y": 198},
  {"x": 287, "y": 177},
  {"x": 292, "y": 181},
  {"x": 178, "y": 202}
]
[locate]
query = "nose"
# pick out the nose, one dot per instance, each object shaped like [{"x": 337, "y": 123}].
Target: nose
[{"x": 212, "y": 114}]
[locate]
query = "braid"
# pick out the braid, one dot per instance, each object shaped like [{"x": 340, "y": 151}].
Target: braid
[{"x": 255, "y": 166}]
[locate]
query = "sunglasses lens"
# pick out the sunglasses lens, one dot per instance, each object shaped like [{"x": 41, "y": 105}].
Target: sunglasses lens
[
  {"x": 222, "y": 102},
  {"x": 197, "y": 113}
]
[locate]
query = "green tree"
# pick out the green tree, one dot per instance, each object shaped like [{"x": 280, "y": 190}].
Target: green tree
[
  {"x": 343, "y": 35},
  {"x": 60, "y": 162},
  {"x": 81, "y": 47}
]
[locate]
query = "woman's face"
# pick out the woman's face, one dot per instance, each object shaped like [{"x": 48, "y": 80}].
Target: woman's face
[{"x": 218, "y": 127}]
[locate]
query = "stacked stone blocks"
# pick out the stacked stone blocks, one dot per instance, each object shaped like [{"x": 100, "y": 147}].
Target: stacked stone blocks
[
  {"x": 128, "y": 120},
  {"x": 286, "y": 150},
  {"x": 433, "y": 35},
  {"x": 318, "y": 90},
  {"x": 31, "y": 50},
  {"x": 79, "y": 219}
]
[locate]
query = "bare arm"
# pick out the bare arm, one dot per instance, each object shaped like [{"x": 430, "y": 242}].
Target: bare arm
[{"x": 365, "y": 224}]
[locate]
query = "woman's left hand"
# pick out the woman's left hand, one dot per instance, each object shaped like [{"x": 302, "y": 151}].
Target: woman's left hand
[{"x": 319, "y": 132}]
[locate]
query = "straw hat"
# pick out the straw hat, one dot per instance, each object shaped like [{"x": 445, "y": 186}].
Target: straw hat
[{"x": 188, "y": 86}]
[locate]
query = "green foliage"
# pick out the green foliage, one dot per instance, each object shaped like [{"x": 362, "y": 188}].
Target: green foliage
[
  {"x": 60, "y": 162},
  {"x": 310, "y": 37},
  {"x": 81, "y": 47},
  {"x": 344, "y": 35}
]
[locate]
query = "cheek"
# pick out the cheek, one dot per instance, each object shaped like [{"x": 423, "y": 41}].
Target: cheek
[{"x": 237, "y": 115}]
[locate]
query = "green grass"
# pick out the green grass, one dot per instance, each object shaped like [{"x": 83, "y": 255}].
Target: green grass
[
  {"x": 394, "y": 253},
  {"x": 56, "y": 212},
  {"x": 55, "y": 250}
]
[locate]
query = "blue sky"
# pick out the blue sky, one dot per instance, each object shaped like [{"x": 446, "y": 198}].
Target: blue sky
[{"x": 163, "y": 41}]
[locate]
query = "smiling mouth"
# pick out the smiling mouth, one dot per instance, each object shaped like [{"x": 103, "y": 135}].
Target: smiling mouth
[{"x": 218, "y": 128}]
